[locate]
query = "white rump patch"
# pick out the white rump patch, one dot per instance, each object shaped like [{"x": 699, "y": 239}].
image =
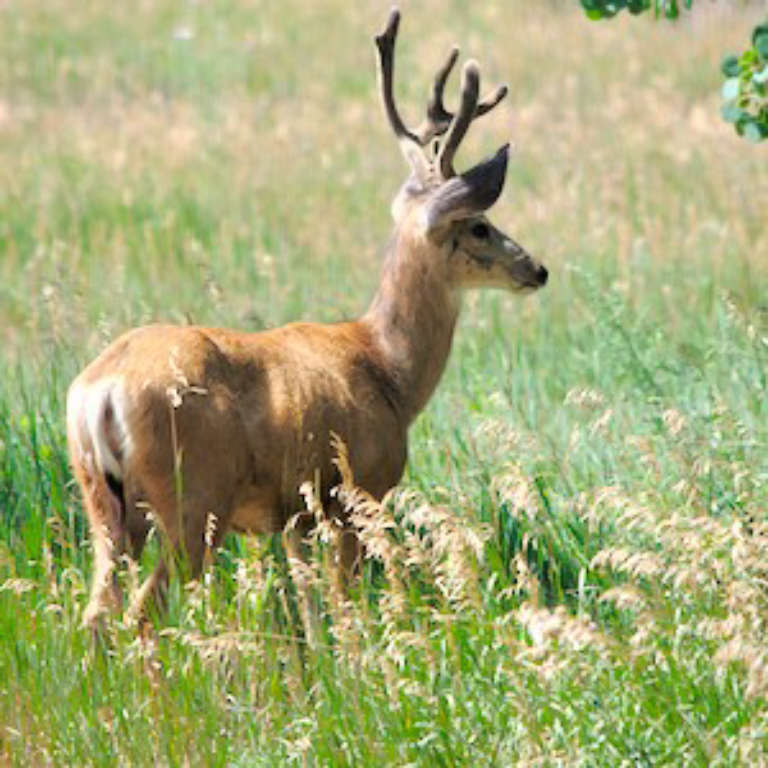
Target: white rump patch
[{"x": 96, "y": 420}]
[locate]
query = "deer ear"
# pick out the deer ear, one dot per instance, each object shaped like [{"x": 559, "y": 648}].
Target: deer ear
[{"x": 466, "y": 195}]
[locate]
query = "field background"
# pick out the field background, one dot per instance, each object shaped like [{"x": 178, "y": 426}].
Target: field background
[{"x": 576, "y": 570}]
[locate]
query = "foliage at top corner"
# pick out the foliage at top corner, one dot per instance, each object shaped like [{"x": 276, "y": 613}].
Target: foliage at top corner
[
  {"x": 745, "y": 90},
  {"x": 605, "y": 9}
]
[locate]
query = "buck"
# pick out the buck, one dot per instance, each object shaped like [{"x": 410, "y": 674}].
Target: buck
[{"x": 197, "y": 423}]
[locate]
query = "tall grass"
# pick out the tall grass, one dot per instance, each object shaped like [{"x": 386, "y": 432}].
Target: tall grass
[{"x": 573, "y": 570}]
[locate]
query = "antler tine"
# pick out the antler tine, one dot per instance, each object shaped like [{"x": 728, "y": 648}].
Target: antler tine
[
  {"x": 470, "y": 88},
  {"x": 438, "y": 117},
  {"x": 385, "y": 42},
  {"x": 486, "y": 105}
]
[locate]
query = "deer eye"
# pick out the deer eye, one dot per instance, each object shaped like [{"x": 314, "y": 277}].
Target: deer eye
[{"x": 480, "y": 231}]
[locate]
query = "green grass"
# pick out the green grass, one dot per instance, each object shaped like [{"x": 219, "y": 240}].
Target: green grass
[{"x": 575, "y": 567}]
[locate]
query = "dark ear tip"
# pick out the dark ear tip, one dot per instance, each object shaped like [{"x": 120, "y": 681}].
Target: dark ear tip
[{"x": 502, "y": 158}]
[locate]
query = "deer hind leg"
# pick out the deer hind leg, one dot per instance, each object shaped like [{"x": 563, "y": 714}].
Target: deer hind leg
[
  {"x": 104, "y": 509},
  {"x": 182, "y": 522}
]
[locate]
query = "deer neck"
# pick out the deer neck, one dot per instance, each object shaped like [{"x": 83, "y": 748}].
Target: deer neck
[{"x": 412, "y": 319}]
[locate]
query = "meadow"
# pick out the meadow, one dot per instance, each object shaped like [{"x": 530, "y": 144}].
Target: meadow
[{"x": 574, "y": 570}]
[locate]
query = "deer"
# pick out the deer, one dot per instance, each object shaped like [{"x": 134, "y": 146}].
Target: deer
[{"x": 197, "y": 423}]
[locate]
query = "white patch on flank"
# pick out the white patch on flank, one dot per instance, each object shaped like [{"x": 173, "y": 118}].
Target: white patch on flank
[{"x": 96, "y": 418}]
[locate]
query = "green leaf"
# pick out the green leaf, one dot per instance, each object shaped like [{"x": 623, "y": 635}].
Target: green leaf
[
  {"x": 753, "y": 132},
  {"x": 748, "y": 58},
  {"x": 730, "y": 66},
  {"x": 671, "y": 11},
  {"x": 595, "y": 14},
  {"x": 761, "y": 77},
  {"x": 731, "y": 113},
  {"x": 757, "y": 33},
  {"x": 760, "y": 40},
  {"x": 730, "y": 90}
]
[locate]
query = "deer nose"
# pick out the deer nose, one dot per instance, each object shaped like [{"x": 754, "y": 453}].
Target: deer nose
[{"x": 541, "y": 275}]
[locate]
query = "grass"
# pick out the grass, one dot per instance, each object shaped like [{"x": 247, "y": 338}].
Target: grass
[{"x": 574, "y": 568}]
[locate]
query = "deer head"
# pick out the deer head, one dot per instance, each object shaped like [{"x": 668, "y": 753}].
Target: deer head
[{"x": 442, "y": 207}]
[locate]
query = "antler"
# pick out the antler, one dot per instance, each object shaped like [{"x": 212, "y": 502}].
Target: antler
[
  {"x": 385, "y": 42},
  {"x": 438, "y": 119}
]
